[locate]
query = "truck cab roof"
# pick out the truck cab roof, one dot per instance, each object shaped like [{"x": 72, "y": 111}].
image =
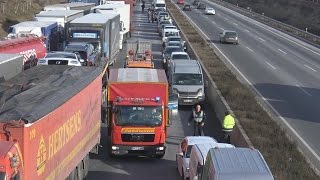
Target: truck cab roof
[{"x": 127, "y": 75}]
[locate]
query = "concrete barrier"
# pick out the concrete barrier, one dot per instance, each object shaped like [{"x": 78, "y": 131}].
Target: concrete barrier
[{"x": 239, "y": 138}]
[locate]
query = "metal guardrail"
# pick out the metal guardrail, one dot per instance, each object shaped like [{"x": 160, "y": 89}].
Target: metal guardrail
[{"x": 303, "y": 35}]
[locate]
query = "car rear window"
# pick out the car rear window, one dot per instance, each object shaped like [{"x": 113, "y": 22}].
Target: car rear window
[
  {"x": 231, "y": 34},
  {"x": 180, "y": 56}
]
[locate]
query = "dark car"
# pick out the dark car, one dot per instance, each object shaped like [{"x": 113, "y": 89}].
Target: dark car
[
  {"x": 196, "y": 2},
  {"x": 187, "y": 7},
  {"x": 86, "y": 51},
  {"x": 201, "y": 6},
  {"x": 167, "y": 54}
]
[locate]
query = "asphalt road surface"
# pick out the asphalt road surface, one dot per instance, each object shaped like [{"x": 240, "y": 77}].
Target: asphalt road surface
[
  {"x": 104, "y": 167},
  {"x": 284, "y": 70}
]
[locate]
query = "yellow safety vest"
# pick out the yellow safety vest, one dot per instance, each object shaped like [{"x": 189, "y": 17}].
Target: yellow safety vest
[{"x": 228, "y": 122}]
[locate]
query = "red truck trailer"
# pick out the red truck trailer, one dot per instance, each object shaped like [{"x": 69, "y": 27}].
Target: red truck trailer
[
  {"x": 31, "y": 47},
  {"x": 50, "y": 120},
  {"x": 138, "y": 117}
]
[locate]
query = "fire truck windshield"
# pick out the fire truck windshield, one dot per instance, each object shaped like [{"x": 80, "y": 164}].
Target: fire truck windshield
[{"x": 138, "y": 116}]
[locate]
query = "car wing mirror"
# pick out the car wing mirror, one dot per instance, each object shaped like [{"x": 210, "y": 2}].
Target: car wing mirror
[
  {"x": 173, "y": 102},
  {"x": 180, "y": 154}
]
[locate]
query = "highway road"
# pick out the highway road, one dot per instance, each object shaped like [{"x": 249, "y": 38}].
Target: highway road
[
  {"x": 104, "y": 167},
  {"x": 283, "y": 70}
]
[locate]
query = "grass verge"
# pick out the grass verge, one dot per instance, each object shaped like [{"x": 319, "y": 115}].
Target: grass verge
[{"x": 281, "y": 154}]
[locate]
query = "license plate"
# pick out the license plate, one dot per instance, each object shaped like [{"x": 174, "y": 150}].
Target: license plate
[
  {"x": 187, "y": 100},
  {"x": 137, "y": 148}
]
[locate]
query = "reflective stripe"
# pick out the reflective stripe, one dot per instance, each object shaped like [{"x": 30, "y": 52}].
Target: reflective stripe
[{"x": 198, "y": 117}]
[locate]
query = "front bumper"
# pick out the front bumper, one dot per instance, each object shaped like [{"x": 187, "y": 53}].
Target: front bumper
[
  {"x": 119, "y": 150},
  {"x": 190, "y": 101}
]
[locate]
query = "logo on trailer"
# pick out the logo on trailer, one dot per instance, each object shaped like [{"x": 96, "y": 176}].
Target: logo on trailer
[{"x": 41, "y": 157}]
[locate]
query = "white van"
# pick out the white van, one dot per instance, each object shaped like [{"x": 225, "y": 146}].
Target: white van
[
  {"x": 234, "y": 163},
  {"x": 199, "y": 154},
  {"x": 160, "y": 4}
]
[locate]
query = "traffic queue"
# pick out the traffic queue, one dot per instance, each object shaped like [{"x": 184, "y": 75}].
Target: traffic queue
[
  {"x": 67, "y": 86},
  {"x": 200, "y": 157}
]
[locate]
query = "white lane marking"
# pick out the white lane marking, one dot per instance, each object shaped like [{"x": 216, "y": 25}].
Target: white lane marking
[
  {"x": 272, "y": 108},
  {"x": 247, "y": 30},
  {"x": 282, "y": 51},
  {"x": 226, "y": 19},
  {"x": 271, "y": 65},
  {"x": 303, "y": 90},
  {"x": 249, "y": 49},
  {"x": 235, "y": 24},
  {"x": 276, "y": 100},
  {"x": 310, "y": 68},
  {"x": 213, "y": 22},
  {"x": 272, "y": 31},
  {"x": 262, "y": 40},
  {"x": 221, "y": 28}
]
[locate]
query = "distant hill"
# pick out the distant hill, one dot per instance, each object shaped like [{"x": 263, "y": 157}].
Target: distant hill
[
  {"x": 15, "y": 11},
  {"x": 299, "y": 13}
]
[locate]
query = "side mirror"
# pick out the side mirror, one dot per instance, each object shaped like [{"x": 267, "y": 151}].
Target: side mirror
[
  {"x": 124, "y": 28},
  {"x": 114, "y": 109},
  {"x": 180, "y": 154},
  {"x": 173, "y": 102}
]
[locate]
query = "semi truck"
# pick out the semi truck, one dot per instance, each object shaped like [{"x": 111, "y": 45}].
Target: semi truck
[
  {"x": 86, "y": 7},
  {"x": 101, "y": 30},
  {"x": 10, "y": 66},
  {"x": 139, "y": 54},
  {"x": 50, "y": 120},
  {"x": 124, "y": 11},
  {"x": 63, "y": 18},
  {"x": 138, "y": 111},
  {"x": 31, "y": 47},
  {"x": 46, "y": 29}
]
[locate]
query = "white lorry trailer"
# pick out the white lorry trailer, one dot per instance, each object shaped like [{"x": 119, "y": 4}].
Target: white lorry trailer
[
  {"x": 10, "y": 66},
  {"x": 86, "y": 7},
  {"x": 123, "y": 10},
  {"x": 63, "y": 18},
  {"x": 47, "y": 29}
]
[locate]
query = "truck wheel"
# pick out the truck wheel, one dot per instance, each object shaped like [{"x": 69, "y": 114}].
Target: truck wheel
[
  {"x": 85, "y": 166},
  {"x": 72, "y": 175},
  {"x": 79, "y": 171}
]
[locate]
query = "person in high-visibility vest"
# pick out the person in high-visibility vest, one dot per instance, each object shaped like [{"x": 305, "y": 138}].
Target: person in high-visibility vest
[
  {"x": 198, "y": 117},
  {"x": 227, "y": 126}
]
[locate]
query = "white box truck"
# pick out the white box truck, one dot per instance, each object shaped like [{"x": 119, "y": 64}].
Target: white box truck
[
  {"x": 101, "y": 30},
  {"x": 63, "y": 18},
  {"x": 234, "y": 163},
  {"x": 124, "y": 11}
]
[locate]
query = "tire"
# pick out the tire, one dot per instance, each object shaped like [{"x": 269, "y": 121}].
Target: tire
[
  {"x": 85, "y": 166},
  {"x": 79, "y": 171},
  {"x": 72, "y": 175}
]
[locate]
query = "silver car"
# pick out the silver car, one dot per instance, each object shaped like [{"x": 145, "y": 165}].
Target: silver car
[{"x": 228, "y": 36}]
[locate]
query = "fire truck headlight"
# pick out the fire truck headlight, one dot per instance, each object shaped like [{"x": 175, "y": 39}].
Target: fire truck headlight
[
  {"x": 115, "y": 148},
  {"x": 160, "y": 148}
]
